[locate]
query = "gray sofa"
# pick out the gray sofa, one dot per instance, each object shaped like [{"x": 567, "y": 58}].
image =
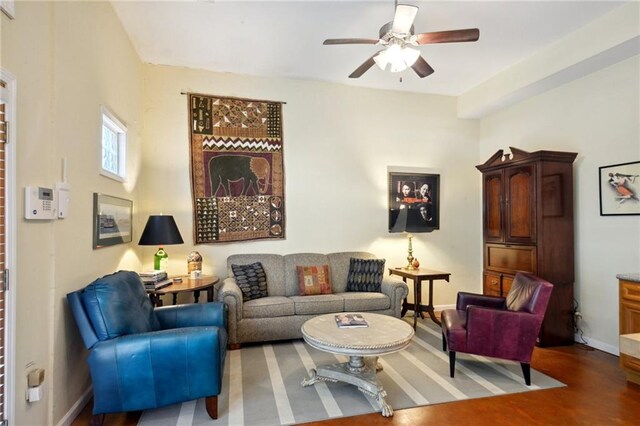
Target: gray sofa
[{"x": 280, "y": 315}]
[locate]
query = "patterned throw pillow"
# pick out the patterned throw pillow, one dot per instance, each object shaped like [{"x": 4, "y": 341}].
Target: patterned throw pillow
[
  {"x": 251, "y": 279},
  {"x": 365, "y": 274},
  {"x": 314, "y": 280}
]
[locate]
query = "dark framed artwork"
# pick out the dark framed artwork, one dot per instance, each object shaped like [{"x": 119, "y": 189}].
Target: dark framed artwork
[
  {"x": 112, "y": 218},
  {"x": 414, "y": 202},
  {"x": 620, "y": 189}
]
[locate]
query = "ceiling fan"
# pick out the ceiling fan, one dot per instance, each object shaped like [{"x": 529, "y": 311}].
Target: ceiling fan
[{"x": 398, "y": 38}]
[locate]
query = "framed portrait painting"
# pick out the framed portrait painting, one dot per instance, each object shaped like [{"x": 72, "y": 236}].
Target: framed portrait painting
[
  {"x": 620, "y": 189},
  {"x": 414, "y": 204},
  {"x": 112, "y": 219}
]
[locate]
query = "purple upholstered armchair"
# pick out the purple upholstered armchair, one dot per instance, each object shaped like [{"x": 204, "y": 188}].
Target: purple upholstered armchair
[{"x": 498, "y": 327}]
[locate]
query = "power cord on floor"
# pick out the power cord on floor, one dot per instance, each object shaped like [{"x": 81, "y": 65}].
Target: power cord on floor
[{"x": 576, "y": 318}]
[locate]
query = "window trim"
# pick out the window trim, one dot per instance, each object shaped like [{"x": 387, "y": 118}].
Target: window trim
[{"x": 109, "y": 119}]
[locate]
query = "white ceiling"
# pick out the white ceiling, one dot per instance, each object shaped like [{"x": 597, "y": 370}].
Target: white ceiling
[{"x": 284, "y": 38}]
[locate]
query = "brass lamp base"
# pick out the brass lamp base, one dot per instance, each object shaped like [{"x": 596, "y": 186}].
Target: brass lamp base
[{"x": 410, "y": 257}]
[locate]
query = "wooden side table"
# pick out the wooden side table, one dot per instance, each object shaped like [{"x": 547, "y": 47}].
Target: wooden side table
[
  {"x": 193, "y": 285},
  {"x": 418, "y": 275}
]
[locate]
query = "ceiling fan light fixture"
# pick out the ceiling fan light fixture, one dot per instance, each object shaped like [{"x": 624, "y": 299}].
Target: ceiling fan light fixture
[
  {"x": 398, "y": 58},
  {"x": 410, "y": 55}
]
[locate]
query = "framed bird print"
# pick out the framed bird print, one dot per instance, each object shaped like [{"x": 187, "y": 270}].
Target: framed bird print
[{"x": 620, "y": 189}]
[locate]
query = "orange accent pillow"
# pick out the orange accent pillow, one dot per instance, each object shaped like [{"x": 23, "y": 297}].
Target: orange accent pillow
[{"x": 314, "y": 280}]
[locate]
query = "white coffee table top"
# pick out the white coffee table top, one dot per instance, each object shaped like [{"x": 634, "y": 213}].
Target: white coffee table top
[{"x": 384, "y": 335}]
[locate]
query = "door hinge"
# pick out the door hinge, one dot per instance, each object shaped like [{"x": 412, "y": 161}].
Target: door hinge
[{"x": 5, "y": 287}]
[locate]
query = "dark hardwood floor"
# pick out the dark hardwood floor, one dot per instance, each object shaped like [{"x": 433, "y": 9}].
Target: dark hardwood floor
[{"x": 597, "y": 393}]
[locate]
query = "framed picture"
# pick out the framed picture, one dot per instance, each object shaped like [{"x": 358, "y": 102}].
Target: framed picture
[
  {"x": 112, "y": 218},
  {"x": 620, "y": 189},
  {"x": 414, "y": 202}
]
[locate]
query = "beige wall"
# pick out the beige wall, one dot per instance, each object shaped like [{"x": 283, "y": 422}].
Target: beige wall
[
  {"x": 338, "y": 143},
  {"x": 597, "y": 117},
  {"x": 63, "y": 56}
]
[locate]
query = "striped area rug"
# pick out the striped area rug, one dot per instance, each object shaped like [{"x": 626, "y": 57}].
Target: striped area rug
[{"x": 261, "y": 384}]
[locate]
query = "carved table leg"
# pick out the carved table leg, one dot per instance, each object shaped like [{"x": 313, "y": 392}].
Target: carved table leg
[
  {"x": 313, "y": 379},
  {"x": 359, "y": 372}
]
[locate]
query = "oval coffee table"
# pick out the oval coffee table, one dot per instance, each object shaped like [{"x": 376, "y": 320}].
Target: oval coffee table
[{"x": 383, "y": 336}]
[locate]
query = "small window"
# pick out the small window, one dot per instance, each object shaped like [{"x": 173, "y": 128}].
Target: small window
[{"x": 114, "y": 147}]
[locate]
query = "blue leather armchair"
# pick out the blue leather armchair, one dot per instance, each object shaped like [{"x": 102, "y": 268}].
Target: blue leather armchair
[{"x": 141, "y": 357}]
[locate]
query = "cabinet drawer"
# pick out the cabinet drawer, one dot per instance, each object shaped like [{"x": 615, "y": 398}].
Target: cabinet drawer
[
  {"x": 630, "y": 362},
  {"x": 630, "y": 291},
  {"x": 494, "y": 286},
  {"x": 507, "y": 280},
  {"x": 491, "y": 284},
  {"x": 509, "y": 258}
]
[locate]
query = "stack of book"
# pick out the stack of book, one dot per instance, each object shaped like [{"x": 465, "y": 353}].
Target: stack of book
[{"x": 155, "y": 280}]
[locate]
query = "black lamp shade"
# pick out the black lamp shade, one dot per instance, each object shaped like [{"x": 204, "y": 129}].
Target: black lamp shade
[{"x": 160, "y": 230}]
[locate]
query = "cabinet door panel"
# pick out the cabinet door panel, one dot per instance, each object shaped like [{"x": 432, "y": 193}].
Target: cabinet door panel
[
  {"x": 629, "y": 317},
  {"x": 493, "y": 206},
  {"x": 510, "y": 259},
  {"x": 520, "y": 211}
]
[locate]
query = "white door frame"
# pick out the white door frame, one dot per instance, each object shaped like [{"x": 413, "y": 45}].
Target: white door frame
[{"x": 8, "y": 95}]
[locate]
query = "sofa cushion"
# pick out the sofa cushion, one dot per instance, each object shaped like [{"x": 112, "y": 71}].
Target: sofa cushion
[
  {"x": 339, "y": 266},
  {"x": 365, "y": 274},
  {"x": 118, "y": 305},
  {"x": 314, "y": 280},
  {"x": 291, "y": 261},
  {"x": 273, "y": 265},
  {"x": 268, "y": 307},
  {"x": 319, "y": 304},
  {"x": 251, "y": 279},
  {"x": 365, "y": 301}
]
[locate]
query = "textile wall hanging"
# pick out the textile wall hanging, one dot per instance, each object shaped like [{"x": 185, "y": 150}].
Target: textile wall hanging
[{"x": 237, "y": 176}]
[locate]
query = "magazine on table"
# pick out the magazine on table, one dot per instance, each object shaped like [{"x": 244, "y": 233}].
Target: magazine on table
[{"x": 351, "y": 321}]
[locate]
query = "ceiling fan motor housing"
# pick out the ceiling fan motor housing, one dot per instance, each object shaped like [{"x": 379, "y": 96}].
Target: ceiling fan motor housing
[{"x": 386, "y": 33}]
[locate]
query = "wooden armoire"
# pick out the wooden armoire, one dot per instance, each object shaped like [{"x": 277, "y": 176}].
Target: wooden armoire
[{"x": 528, "y": 226}]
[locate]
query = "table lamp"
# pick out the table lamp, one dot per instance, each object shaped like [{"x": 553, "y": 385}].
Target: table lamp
[
  {"x": 160, "y": 231},
  {"x": 403, "y": 223}
]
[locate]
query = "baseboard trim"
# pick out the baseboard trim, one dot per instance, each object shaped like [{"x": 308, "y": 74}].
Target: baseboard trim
[
  {"x": 438, "y": 308},
  {"x": 596, "y": 344},
  {"x": 77, "y": 408}
]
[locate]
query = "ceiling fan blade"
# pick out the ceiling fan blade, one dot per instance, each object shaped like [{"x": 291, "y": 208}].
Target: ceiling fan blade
[
  {"x": 422, "y": 68},
  {"x": 453, "y": 36},
  {"x": 364, "y": 67},
  {"x": 350, "y": 41},
  {"x": 403, "y": 20}
]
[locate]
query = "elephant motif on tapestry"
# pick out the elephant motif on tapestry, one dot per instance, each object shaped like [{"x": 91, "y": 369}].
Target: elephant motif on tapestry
[{"x": 225, "y": 170}]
